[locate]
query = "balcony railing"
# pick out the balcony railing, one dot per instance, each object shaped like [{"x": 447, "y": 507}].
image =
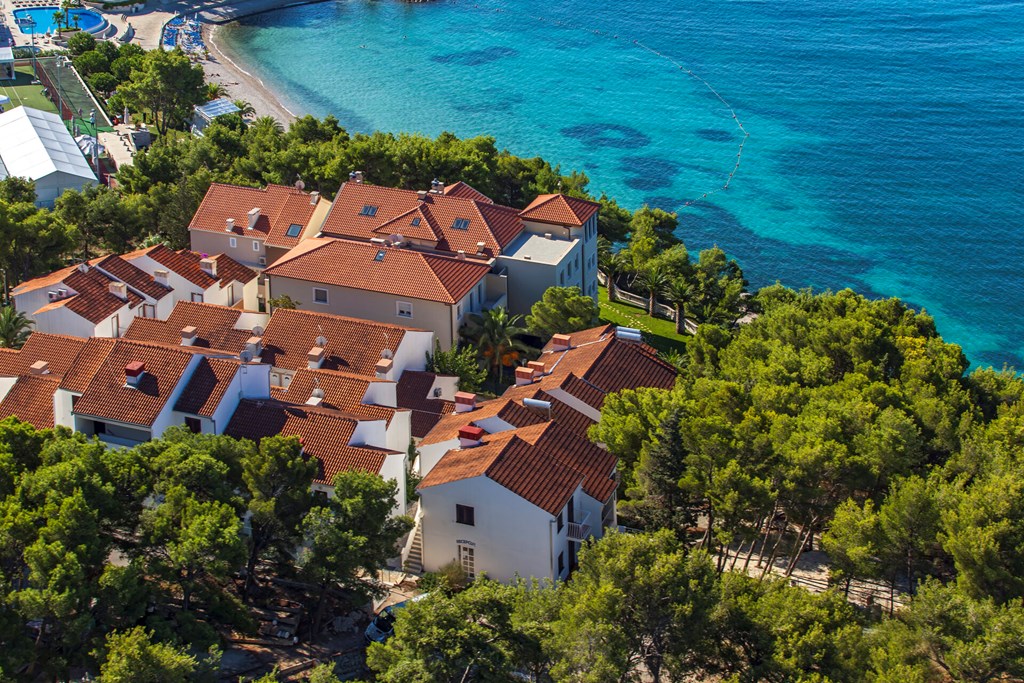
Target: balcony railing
[{"x": 579, "y": 531}]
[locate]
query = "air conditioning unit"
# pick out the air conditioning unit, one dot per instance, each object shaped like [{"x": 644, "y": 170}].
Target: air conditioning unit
[{"x": 263, "y": 260}]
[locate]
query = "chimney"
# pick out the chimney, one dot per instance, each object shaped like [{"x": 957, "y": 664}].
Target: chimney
[
  {"x": 209, "y": 266},
  {"x": 548, "y": 236},
  {"x": 120, "y": 290},
  {"x": 524, "y": 375},
  {"x": 40, "y": 367},
  {"x": 160, "y": 277},
  {"x": 316, "y": 397},
  {"x": 314, "y": 197},
  {"x": 464, "y": 402},
  {"x": 188, "y": 335},
  {"x": 254, "y": 345},
  {"x": 462, "y": 255},
  {"x": 254, "y": 215},
  {"x": 315, "y": 357},
  {"x": 470, "y": 436},
  {"x": 561, "y": 342},
  {"x": 537, "y": 366},
  {"x": 355, "y": 176},
  {"x": 230, "y": 227},
  {"x": 436, "y": 186},
  {"x": 133, "y": 373},
  {"x": 480, "y": 246},
  {"x": 421, "y": 195},
  {"x": 384, "y": 368}
]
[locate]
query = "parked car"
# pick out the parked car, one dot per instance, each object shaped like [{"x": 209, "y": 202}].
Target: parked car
[{"x": 383, "y": 625}]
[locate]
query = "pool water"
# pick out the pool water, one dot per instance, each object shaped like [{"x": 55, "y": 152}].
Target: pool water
[{"x": 43, "y": 18}]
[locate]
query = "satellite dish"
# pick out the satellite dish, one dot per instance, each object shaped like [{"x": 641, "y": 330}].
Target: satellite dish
[
  {"x": 299, "y": 185},
  {"x": 245, "y": 356},
  {"x": 386, "y": 353},
  {"x": 317, "y": 393},
  {"x": 321, "y": 341},
  {"x": 437, "y": 392},
  {"x": 257, "y": 331},
  {"x": 395, "y": 238}
]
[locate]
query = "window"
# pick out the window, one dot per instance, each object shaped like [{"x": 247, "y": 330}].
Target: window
[
  {"x": 293, "y": 230},
  {"x": 320, "y": 497},
  {"x": 147, "y": 311},
  {"x": 368, "y": 211},
  {"x": 560, "y": 522},
  {"x": 415, "y": 221},
  {"x": 561, "y": 278},
  {"x": 458, "y": 312},
  {"x": 467, "y": 558},
  {"x": 319, "y": 295},
  {"x": 561, "y": 563},
  {"x": 255, "y": 245},
  {"x": 461, "y": 224},
  {"x": 233, "y": 242},
  {"x": 379, "y": 256},
  {"x": 403, "y": 309},
  {"x": 464, "y": 514},
  {"x": 194, "y": 425}
]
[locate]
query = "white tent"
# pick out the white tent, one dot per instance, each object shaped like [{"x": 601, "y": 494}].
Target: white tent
[{"x": 35, "y": 144}]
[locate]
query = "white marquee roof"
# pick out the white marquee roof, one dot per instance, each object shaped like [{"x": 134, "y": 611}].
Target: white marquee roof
[{"x": 34, "y": 144}]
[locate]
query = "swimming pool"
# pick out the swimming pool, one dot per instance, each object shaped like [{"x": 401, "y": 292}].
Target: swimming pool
[{"x": 39, "y": 20}]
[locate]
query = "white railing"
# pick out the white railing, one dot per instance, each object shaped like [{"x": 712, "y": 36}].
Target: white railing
[{"x": 579, "y": 531}]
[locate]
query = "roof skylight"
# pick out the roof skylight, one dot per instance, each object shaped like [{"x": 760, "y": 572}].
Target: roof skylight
[
  {"x": 293, "y": 230},
  {"x": 461, "y": 224},
  {"x": 368, "y": 211},
  {"x": 379, "y": 256}
]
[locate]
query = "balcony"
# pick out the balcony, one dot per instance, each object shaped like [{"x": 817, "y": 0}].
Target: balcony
[{"x": 579, "y": 531}]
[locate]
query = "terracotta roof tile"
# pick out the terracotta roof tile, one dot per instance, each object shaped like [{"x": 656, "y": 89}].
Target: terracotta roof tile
[
  {"x": 86, "y": 363},
  {"x": 371, "y": 267},
  {"x": 176, "y": 262},
  {"x": 560, "y": 209},
  {"x": 279, "y": 206},
  {"x": 215, "y": 327},
  {"x": 414, "y": 393},
  {"x": 229, "y": 270},
  {"x": 353, "y": 345},
  {"x": 512, "y": 460},
  {"x": 584, "y": 336},
  {"x": 209, "y": 381},
  {"x": 93, "y": 299},
  {"x": 31, "y": 400},
  {"x": 58, "y": 350},
  {"x": 595, "y": 464},
  {"x": 325, "y": 435},
  {"x": 343, "y": 391},
  {"x": 44, "y": 281},
  {"x": 108, "y": 397},
  {"x": 132, "y": 276},
  {"x": 466, "y": 191},
  {"x": 494, "y": 225}
]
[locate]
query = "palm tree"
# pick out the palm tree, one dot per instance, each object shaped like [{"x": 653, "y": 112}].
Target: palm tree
[
  {"x": 212, "y": 91},
  {"x": 245, "y": 108},
  {"x": 58, "y": 18},
  {"x": 268, "y": 123},
  {"x": 653, "y": 279},
  {"x": 613, "y": 265},
  {"x": 14, "y": 327},
  {"x": 680, "y": 293},
  {"x": 75, "y": 18},
  {"x": 496, "y": 334}
]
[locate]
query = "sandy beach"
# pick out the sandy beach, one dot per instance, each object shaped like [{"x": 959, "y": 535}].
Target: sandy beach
[{"x": 148, "y": 24}]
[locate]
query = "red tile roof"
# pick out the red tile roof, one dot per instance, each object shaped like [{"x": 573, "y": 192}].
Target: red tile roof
[
  {"x": 353, "y": 345},
  {"x": 494, "y": 225},
  {"x": 399, "y": 272},
  {"x": 207, "y": 386},
  {"x": 560, "y": 209},
  {"x": 584, "y": 336},
  {"x": 58, "y": 350},
  {"x": 31, "y": 400},
  {"x": 414, "y": 394},
  {"x": 512, "y": 460},
  {"x": 93, "y": 299},
  {"x": 186, "y": 264},
  {"x": 343, "y": 391},
  {"x": 215, "y": 327},
  {"x": 108, "y": 397},
  {"x": 43, "y": 281},
  {"x": 279, "y": 206},
  {"x": 86, "y": 363},
  {"x": 466, "y": 191},
  {"x": 325, "y": 435},
  {"x": 137, "y": 279}
]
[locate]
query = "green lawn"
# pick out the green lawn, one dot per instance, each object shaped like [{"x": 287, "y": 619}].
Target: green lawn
[
  {"x": 659, "y": 333},
  {"x": 22, "y": 92}
]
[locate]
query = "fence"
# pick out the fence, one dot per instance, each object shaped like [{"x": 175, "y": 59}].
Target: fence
[
  {"x": 65, "y": 88},
  {"x": 660, "y": 309}
]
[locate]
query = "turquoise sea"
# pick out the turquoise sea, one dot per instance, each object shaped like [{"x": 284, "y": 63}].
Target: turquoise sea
[{"x": 884, "y": 150}]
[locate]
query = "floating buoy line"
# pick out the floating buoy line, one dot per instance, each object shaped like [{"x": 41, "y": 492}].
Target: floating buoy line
[{"x": 650, "y": 50}]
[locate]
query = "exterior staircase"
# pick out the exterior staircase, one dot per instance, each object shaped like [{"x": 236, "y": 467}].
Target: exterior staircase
[{"x": 414, "y": 560}]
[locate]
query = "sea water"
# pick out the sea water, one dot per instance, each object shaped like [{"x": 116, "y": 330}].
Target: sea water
[{"x": 883, "y": 151}]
